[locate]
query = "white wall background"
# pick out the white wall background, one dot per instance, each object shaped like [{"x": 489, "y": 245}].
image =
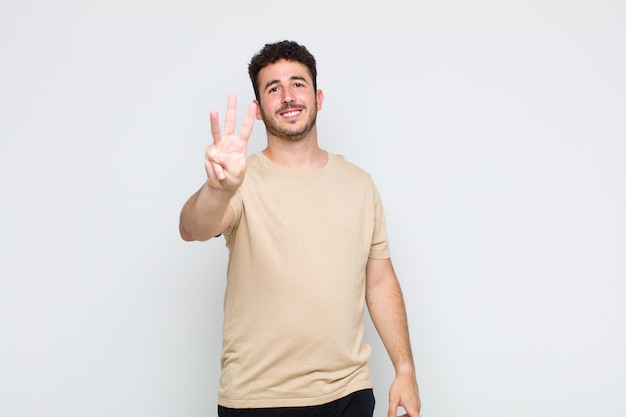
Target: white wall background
[{"x": 495, "y": 132}]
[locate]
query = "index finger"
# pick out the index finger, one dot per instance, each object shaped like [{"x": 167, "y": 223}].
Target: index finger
[{"x": 248, "y": 122}]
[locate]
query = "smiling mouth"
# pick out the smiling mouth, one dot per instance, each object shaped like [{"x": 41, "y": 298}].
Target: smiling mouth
[
  {"x": 291, "y": 113},
  {"x": 290, "y": 110}
]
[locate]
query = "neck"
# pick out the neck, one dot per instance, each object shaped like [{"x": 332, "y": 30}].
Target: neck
[{"x": 301, "y": 155}]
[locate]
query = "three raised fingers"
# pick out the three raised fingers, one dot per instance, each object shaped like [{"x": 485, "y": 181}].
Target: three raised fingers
[{"x": 230, "y": 121}]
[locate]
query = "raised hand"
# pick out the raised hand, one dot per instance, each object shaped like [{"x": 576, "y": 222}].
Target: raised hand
[{"x": 225, "y": 158}]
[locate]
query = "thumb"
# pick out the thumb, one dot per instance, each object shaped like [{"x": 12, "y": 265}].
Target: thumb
[{"x": 213, "y": 165}]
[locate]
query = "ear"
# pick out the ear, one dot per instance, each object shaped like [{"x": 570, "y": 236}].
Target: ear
[
  {"x": 259, "y": 116},
  {"x": 319, "y": 95}
]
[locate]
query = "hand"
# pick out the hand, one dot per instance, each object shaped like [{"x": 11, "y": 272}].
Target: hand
[
  {"x": 404, "y": 393},
  {"x": 225, "y": 158}
]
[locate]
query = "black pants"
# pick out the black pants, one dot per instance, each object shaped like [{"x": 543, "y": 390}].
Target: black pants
[{"x": 358, "y": 404}]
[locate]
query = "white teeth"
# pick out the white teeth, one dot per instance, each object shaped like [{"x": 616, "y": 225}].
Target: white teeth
[{"x": 291, "y": 113}]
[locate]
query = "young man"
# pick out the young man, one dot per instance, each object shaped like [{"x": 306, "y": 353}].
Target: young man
[{"x": 308, "y": 248}]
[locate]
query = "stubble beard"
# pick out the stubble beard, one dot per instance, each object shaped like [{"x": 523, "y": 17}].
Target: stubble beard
[{"x": 288, "y": 134}]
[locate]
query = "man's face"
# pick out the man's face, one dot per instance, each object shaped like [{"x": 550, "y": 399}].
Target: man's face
[{"x": 288, "y": 103}]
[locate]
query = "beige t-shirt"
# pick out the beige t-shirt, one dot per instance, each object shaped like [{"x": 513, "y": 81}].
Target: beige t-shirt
[{"x": 294, "y": 303}]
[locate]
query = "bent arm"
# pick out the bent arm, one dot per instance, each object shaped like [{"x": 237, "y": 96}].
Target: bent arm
[
  {"x": 387, "y": 310},
  {"x": 206, "y": 214}
]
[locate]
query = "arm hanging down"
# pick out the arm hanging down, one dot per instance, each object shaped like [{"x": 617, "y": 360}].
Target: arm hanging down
[{"x": 386, "y": 307}]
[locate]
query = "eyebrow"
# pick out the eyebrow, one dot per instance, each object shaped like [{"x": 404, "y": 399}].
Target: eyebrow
[{"x": 293, "y": 77}]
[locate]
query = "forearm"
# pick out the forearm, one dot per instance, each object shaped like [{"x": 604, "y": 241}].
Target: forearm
[
  {"x": 388, "y": 313},
  {"x": 387, "y": 310},
  {"x": 204, "y": 215}
]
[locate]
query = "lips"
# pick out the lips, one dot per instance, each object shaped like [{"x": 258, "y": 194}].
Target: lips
[{"x": 290, "y": 112}]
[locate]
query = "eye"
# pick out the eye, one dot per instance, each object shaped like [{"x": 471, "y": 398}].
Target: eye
[{"x": 298, "y": 84}]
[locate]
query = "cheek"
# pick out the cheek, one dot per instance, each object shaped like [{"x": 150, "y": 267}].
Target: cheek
[{"x": 268, "y": 105}]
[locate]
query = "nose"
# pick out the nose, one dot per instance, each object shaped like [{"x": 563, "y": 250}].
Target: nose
[{"x": 288, "y": 96}]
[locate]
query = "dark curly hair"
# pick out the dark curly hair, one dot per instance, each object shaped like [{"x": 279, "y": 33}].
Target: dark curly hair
[{"x": 273, "y": 52}]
